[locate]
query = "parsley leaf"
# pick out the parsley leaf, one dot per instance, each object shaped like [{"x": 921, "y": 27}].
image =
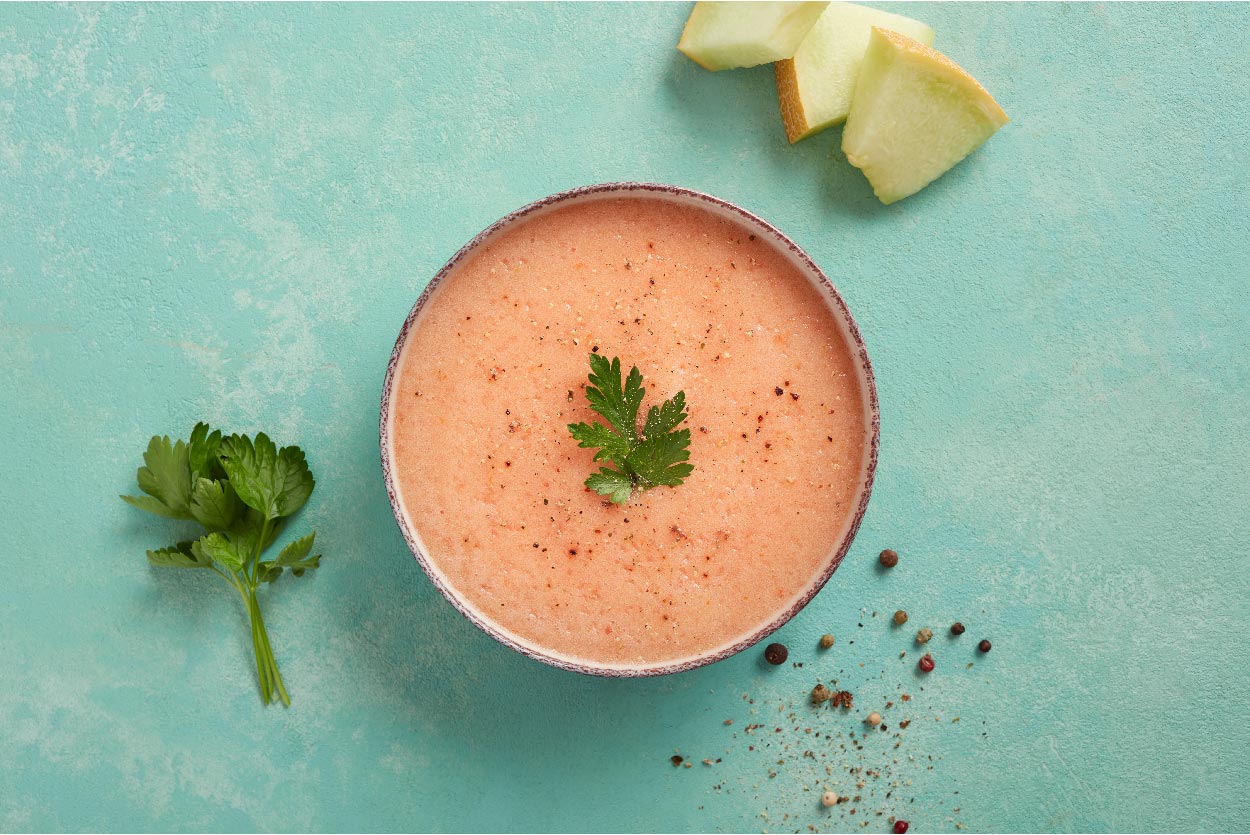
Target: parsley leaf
[
  {"x": 616, "y": 485},
  {"x": 295, "y": 556},
  {"x": 274, "y": 481},
  {"x": 241, "y": 491},
  {"x": 202, "y": 453},
  {"x": 219, "y": 548},
  {"x": 656, "y": 456},
  {"x": 166, "y": 478},
  {"x": 664, "y": 418},
  {"x": 616, "y": 402},
  {"x": 612, "y": 447},
  {"x": 660, "y": 459},
  {"x": 214, "y": 504},
  {"x": 181, "y": 555}
]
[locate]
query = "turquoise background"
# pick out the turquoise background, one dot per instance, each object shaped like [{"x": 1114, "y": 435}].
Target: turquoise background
[{"x": 225, "y": 212}]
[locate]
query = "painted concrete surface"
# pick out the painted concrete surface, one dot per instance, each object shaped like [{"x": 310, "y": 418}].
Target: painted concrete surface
[{"x": 224, "y": 213}]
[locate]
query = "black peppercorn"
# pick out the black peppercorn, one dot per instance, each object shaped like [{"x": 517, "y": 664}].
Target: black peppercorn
[
  {"x": 889, "y": 558},
  {"x": 675, "y": 760},
  {"x": 776, "y": 654},
  {"x": 957, "y": 628},
  {"x": 984, "y": 646}
]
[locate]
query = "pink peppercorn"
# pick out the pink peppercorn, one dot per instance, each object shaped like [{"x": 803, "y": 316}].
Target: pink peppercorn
[
  {"x": 926, "y": 663},
  {"x": 900, "y": 827}
]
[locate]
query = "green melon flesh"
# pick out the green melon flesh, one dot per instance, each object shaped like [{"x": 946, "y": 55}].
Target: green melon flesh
[
  {"x": 822, "y": 73},
  {"x": 914, "y": 115},
  {"x": 727, "y": 35}
]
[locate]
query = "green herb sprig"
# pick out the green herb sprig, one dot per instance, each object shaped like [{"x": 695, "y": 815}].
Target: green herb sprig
[
  {"x": 240, "y": 491},
  {"x": 641, "y": 459}
]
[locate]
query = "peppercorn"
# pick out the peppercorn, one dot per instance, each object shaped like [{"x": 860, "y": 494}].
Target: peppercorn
[
  {"x": 900, "y": 827},
  {"x": 821, "y": 693},
  {"x": 924, "y": 635},
  {"x": 828, "y": 799},
  {"x": 889, "y": 558},
  {"x": 984, "y": 646},
  {"x": 675, "y": 760},
  {"x": 926, "y": 663},
  {"x": 957, "y": 628},
  {"x": 874, "y": 719},
  {"x": 776, "y": 654},
  {"x": 900, "y": 617},
  {"x": 826, "y": 641}
]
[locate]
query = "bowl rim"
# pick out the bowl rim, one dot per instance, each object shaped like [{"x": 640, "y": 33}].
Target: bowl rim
[{"x": 867, "y": 379}]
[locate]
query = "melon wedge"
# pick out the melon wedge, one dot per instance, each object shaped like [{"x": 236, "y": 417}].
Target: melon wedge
[
  {"x": 815, "y": 86},
  {"x": 727, "y": 35},
  {"x": 914, "y": 115}
]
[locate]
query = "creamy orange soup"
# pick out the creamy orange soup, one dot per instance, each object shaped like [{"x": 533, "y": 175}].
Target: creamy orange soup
[{"x": 492, "y": 483}]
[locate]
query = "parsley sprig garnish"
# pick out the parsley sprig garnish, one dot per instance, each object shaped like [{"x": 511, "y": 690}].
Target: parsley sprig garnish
[
  {"x": 640, "y": 460},
  {"x": 241, "y": 491}
]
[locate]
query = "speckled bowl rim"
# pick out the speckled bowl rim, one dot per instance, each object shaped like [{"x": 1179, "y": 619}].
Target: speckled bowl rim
[{"x": 866, "y": 379}]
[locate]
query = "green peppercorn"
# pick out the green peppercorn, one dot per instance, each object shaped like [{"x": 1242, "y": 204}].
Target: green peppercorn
[
  {"x": 826, "y": 641},
  {"x": 900, "y": 617}
]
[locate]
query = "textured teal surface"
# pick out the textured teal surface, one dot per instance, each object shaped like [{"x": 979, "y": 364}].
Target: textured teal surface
[{"x": 224, "y": 212}]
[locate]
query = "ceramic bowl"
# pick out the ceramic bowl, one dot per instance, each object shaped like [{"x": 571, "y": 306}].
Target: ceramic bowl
[{"x": 740, "y": 216}]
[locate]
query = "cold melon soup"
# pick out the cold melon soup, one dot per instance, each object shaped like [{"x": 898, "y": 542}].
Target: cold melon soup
[{"x": 490, "y": 483}]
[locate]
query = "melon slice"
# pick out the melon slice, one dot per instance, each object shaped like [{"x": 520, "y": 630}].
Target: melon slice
[
  {"x": 914, "y": 115},
  {"x": 815, "y": 86},
  {"x": 727, "y": 35}
]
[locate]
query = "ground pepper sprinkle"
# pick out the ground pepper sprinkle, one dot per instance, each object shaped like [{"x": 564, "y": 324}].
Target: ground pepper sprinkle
[
  {"x": 807, "y": 750},
  {"x": 843, "y": 699}
]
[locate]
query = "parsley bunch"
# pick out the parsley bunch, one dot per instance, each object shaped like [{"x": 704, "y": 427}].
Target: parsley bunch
[
  {"x": 240, "y": 491},
  {"x": 642, "y": 459}
]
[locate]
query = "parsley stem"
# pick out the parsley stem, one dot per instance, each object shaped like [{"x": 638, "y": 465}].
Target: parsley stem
[
  {"x": 265, "y": 651},
  {"x": 231, "y": 579},
  {"x": 260, "y": 546},
  {"x": 258, "y": 649}
]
